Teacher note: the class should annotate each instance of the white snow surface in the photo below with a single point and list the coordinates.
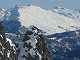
(46, 20)
(11, 44)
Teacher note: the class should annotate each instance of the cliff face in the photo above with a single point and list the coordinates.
(42, 48)
(41, 45)
(35, 45)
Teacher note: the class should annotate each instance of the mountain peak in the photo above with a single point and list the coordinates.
(46, 19)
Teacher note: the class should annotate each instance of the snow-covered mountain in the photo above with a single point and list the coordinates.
(74, 13)
(46, 20)
(39, 34)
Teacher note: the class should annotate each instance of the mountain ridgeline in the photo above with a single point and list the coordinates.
(33, 33)
(7, 49)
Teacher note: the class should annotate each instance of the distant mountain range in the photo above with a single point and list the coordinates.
(74, 13)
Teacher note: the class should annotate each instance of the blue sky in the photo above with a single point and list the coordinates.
(47, 4)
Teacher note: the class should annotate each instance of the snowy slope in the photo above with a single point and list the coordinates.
(2, 13)
(71, 13)
(46, 20)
